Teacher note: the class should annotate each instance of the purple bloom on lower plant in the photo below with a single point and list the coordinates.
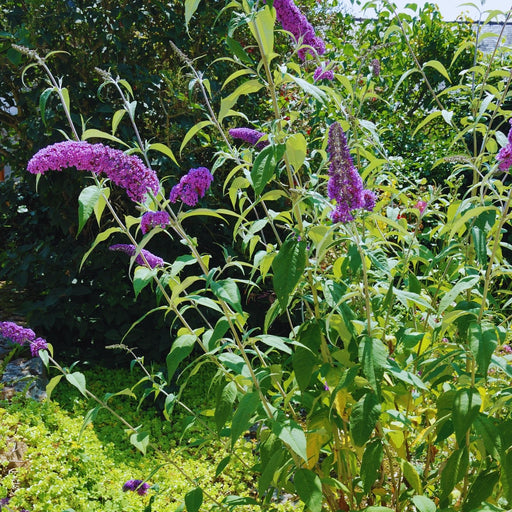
(249, 135)
(152, 220)
(143, 256)
(138, 486)
(22, 335)
(375, 67)
(126, 171)
(345, 185)
(192, 186)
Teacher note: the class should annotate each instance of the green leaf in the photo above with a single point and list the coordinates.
(195, 129)
(454, 470)
(466, 283)
(480, 244)
(227, 290)
(51, 385)
(406, 298)
(162, 148)
(190, 8)
(370, 465)
(264, 167)
(86, 202)
(101, 237)
(364, 417)
(424, 504)
(221, 466)
(277, 342)
(92, 133)
(77, 379)
(180, 349)
(506, 476)
(288, 267)
(481, 489)
(412, 476)
(140, 440)
(89, 418)
(194, 499)
(243, 414)
(296, 150)
(274, 464)
(305, 357)
(224, 407)
(262, 29)
(292, 435)
(373, 355)
(489, 433)
(438, 67)
(308, 88)
(142, 277)
(116, 119)
(42, 102)
(248, 87)
(99, 207)
(466, 406)
(483, 340)
(309, 488)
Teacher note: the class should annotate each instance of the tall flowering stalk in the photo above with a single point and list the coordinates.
(126, 171)
(250, 136)
(22, 336)
(345, 185)
(192, 186)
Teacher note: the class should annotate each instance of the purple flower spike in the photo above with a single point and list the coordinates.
(249, 135)
(323, 74)
(375, 67)
(345, 185)
(505, 154)
(153, 261)
(138, 486)
(292, 20)
(152, 220)
(126, 171)
(192, 186)
(22, 335)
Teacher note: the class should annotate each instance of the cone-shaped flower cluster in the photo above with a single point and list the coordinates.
(127, 171)
(192, 186)
(136, 486)
(249, 135)
(345, 185)
(323, 74)
(505, 154)
(153, 261)
(22, 335)
(293, 21)
(152, 220)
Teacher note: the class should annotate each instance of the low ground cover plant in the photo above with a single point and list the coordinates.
(373, 373)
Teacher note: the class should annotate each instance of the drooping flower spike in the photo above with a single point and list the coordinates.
(153, 260)
(126, 171)
(250, 136)
(22, 335)
(345, 185)
(505, 154)
(138, 486)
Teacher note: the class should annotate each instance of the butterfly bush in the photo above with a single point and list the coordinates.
(152, 220)
(249, 135)
(293, 21)
(345, 185)
(21, 336)
(323, 74)
(375, 67)
(152, 260)
(126, 171)
(138, 486)
(192, 186)
(505, 154)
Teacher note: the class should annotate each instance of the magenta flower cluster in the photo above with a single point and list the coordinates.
(22, 335)
(375, 67)
(505, 154)
(152, 260)
(345, 185)
(249, 135)
(192, 186)
(293, 21)
(152, 220)
(138, 486)
(126, 171)
(323, 74)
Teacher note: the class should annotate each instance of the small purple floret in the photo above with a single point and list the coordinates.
(152, 220)
(138, 486)
(192, 186)
(152, 260)
(126, 171)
